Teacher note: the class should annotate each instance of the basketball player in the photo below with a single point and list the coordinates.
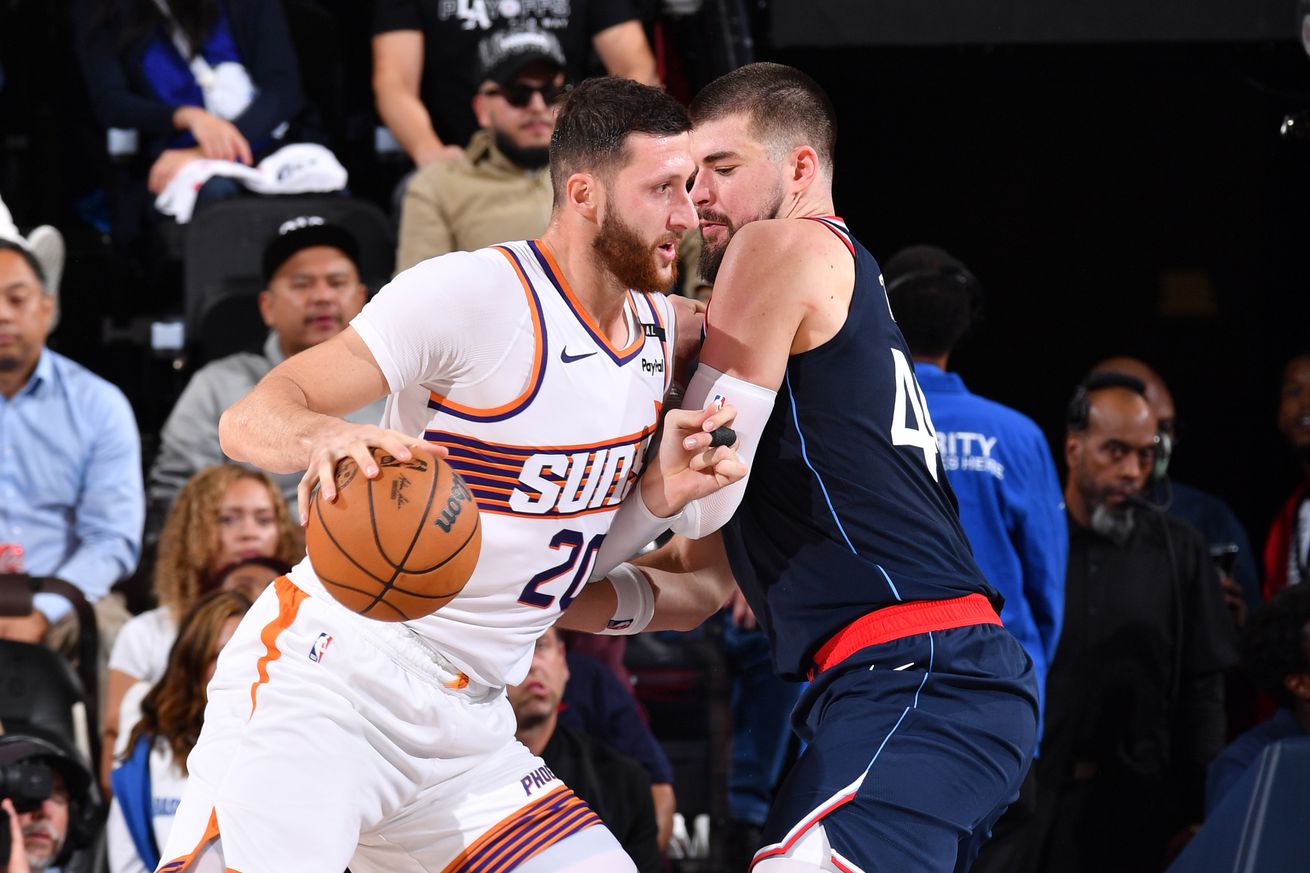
(539, 369)
(920, 717)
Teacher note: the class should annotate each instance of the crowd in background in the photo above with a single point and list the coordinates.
(1172, 645)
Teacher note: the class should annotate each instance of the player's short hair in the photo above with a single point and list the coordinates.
(591, 131)
(11, 246)
(1274, 642)
(786, 108)
(933, 296)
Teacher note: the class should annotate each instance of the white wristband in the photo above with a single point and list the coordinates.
(636, 601)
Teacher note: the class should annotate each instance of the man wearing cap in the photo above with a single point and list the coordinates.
(311, 291)
(499, 189)
(425, 58)
(71, 501)
(45, 830)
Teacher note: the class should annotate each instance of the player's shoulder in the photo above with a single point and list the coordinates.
(788, 257)
(464, 275)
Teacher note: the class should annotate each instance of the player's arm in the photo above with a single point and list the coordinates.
(772, 299)
(291, 420)
(687, 581)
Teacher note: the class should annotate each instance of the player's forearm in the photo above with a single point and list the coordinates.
(689, 580)
(272, 426)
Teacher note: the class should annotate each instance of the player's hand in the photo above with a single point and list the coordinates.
(686, 466)
(346, 440)
(218, 139)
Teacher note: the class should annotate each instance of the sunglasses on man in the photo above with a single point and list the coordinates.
(519, 94)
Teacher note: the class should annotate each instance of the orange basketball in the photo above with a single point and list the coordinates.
(399, 546)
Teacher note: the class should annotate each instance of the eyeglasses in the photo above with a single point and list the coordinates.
(519, 94)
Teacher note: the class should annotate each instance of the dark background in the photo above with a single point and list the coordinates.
(1117, 181)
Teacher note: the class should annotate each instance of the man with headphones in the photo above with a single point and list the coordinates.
(1000, 466)
(52, 807)
(1135, 695)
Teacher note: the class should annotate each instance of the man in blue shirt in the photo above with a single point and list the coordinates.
(1000, 467)
(70, 456)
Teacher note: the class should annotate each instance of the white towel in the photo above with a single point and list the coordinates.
(300, 168)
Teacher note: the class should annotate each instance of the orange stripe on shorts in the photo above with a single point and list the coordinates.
(289, 598)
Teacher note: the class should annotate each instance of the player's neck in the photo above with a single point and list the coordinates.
(594, 287)
(808, 204)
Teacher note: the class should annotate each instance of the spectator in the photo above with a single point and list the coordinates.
(250, 575)
(195, 78)
(312, 290)
(425, 59)
(73, 505)
(500, 188)
(1287, 547)
(225, 514)
(1134, 706)
(1205, 512)
(57, 812)
(1002, 473)
(1276, 654)
(616, 787)
(148, 783)
(596, 703)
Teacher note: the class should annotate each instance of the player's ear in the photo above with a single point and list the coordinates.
(582, 195)
(804, 166)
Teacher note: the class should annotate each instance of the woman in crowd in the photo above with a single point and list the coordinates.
(225, 514)
(149, 780)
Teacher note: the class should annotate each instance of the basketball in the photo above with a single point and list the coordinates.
(397, 547)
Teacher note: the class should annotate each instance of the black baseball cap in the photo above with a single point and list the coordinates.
(303, 232)
(504, 53)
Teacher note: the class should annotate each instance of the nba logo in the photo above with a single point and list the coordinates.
(319, 649)
(718, 401)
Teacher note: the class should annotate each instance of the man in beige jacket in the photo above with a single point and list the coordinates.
(499, 189)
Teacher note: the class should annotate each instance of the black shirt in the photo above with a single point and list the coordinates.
(1134, 697)
(615, 787)
(452, 30)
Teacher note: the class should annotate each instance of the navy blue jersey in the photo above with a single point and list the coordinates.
(848, 508)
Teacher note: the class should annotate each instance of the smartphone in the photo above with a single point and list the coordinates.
(1225, 556)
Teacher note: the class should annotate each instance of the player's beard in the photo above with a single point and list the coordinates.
(711, 256)
(629, 258)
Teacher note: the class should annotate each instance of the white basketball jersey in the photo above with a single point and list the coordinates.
(491, 355)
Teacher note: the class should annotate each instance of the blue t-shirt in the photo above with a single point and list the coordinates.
(597, 704)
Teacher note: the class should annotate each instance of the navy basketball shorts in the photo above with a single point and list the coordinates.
(915, 748)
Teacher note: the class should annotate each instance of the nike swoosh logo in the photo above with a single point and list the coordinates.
(568, 359)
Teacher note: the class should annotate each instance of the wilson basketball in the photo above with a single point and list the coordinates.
(399, 546)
